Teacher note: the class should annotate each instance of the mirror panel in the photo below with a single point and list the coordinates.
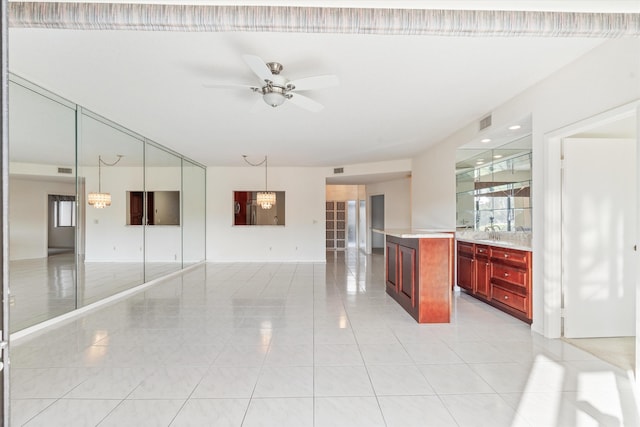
(247, 211)
(110, 253)
(193, 212)
(163, 239)
(493, 187)
(42, 261)
(66, 253)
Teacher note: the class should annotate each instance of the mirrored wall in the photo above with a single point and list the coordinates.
(493, 185)
(95, 209)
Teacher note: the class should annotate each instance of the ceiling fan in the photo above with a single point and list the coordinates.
(276, 89)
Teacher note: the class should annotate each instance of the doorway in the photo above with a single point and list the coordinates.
(377, 223)
(618, 123)
(61, 234)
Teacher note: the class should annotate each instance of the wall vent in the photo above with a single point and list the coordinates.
(65, 170)
(338, 170)
(485, 122)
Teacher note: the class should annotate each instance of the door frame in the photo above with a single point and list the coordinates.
(4, 217)
(552, 242)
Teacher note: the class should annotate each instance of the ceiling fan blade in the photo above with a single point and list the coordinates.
(258, 66)
(228, 85)
(306, 103)
(316, 82)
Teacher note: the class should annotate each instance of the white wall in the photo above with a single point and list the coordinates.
(108, 238)
(28, 211)
(342, 192)
(604, 78)
(302, 238)
(397, 201)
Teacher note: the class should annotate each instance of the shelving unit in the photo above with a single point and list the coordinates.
(336, 223)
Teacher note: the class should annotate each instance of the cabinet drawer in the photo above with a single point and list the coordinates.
(509, 256)
(509, 274)
(482, 250)
(509, 298)
(465, 248)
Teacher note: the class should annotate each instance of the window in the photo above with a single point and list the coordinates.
(64, 213)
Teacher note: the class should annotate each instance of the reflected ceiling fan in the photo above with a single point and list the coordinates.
(276, 89)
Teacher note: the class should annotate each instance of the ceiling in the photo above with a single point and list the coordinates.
(398, 94)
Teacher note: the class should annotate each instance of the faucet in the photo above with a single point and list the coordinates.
(493, 231)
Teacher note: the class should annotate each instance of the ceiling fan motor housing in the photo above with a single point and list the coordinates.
(275, 92)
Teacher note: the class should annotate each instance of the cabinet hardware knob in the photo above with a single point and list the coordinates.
(506, 274)
(506, 255)
(506, 297)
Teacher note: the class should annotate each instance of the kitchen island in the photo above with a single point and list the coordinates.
(419, 272)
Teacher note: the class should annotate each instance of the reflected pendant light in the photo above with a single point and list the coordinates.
(101, 200)
(265, 199)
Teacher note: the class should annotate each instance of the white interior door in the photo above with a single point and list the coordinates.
(598, 237)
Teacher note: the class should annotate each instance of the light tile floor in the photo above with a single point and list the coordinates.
(44, 288)
(305, 345)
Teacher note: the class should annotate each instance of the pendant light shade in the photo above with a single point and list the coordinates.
(266, 199)
(99, 200)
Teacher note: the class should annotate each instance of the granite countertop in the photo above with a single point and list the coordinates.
(417, 233)
(498, 243)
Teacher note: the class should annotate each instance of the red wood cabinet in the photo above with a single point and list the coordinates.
(482, 271)
(466, 273)
(499, 276)
(419, 275)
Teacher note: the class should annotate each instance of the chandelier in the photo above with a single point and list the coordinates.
(266, 199)
(101, 200)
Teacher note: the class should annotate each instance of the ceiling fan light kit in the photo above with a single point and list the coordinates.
(276, 89)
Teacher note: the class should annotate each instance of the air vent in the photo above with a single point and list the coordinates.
(486, 122)
(65, 170)
(338, 170)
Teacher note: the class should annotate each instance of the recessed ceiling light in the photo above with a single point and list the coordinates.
(514, 127)
(485, 140)
(479, 162)
(497, 156)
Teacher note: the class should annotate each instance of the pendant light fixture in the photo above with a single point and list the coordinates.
(101, 200)
(266, 199)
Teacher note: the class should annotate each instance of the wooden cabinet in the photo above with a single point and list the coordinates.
(499, 276)
(466, 273)
(392, 272)
(419, 274)
(408, 270)
(482, 271)
(511, 281)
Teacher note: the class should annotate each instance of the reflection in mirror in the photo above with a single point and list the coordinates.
(163, 245)
(193, 213)
(42, 185)
(66, 253)
(162, 207)
(247, 211)
(493, 185)
(109, 253)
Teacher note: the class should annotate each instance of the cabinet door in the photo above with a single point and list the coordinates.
(482, 277)
(408, 273)
(465, 272)
(392, 266)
